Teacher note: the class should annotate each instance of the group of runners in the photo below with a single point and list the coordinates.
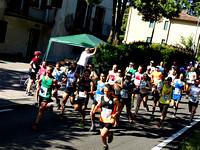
(114, 90)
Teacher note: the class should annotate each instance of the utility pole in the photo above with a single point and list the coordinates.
(194, 47)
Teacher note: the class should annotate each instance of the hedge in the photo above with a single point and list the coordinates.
(140, 53)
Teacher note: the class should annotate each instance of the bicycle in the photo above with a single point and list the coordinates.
(24, 81)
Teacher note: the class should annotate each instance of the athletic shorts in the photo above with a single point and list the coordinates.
(191, 104)
(142, 95)
(176, 97)
(163, 105)
(106, 125)
(70, 91)
(44, 99)
(156, 94)
(32, 75)
(82, 101)
(126, 101)
(95, 102)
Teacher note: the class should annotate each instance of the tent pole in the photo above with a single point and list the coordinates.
(48, 48)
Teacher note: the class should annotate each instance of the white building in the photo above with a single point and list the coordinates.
(27, 25)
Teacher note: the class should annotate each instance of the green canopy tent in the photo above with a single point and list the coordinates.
(80, 40)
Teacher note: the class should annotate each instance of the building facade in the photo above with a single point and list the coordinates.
(164, 32)
(27, 25)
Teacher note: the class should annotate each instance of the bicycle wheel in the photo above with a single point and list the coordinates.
(24, 81)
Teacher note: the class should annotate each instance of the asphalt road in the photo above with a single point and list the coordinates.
(16, 133)
(142, 134)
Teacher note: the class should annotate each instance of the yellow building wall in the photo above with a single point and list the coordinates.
(138, 30)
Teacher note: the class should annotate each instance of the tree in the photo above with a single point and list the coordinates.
(192, 7)
(93, 2)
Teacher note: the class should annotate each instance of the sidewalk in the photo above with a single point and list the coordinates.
(10, 91)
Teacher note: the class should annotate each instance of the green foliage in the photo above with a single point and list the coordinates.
(193, 143)
(186, 42)
(93, 2)
(154, 10)
(139, 52)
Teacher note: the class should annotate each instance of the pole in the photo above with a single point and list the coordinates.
(195, 47)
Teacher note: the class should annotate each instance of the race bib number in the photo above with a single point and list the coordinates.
(165, 98)
(193, 98)
(82, 94)
(111, 82)
(177, 91)
(143, 85)
(137, 82)
(43, 91)
(69, 82)
(124, 94)
(106, 113)
(155, 80)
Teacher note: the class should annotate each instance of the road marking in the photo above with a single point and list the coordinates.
(167, 141)
(4, 110)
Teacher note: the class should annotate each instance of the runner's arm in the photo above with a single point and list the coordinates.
(97, 106)
(116, 101)
(95, 51)
(91, 87)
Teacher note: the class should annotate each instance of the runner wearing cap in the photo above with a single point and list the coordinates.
(151, 66)
(34, 64)
(165, 98)
(126, 93)
(172, 73)
(192, 76)
(131, 69)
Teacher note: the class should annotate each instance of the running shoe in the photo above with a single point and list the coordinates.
(105, 147)
(159, 124)
(29, 94)
(152, 117)
(51, 109)
(58, 107)
(34, 126)
(173, 116)
(110, 138)
(35, 104)
(81, 124)
(133, 116)
(92, 128)
(60, 116)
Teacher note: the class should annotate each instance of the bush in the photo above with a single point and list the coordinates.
(140, 53)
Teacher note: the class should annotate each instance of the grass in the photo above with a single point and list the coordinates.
(192, 142)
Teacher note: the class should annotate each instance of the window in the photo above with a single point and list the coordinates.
(166, 25)
(148, 39)
(163, 41)
(151, 25)
(3, 27)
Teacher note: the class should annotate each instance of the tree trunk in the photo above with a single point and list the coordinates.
(120, 15)
(112, 31)
(153, 32)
